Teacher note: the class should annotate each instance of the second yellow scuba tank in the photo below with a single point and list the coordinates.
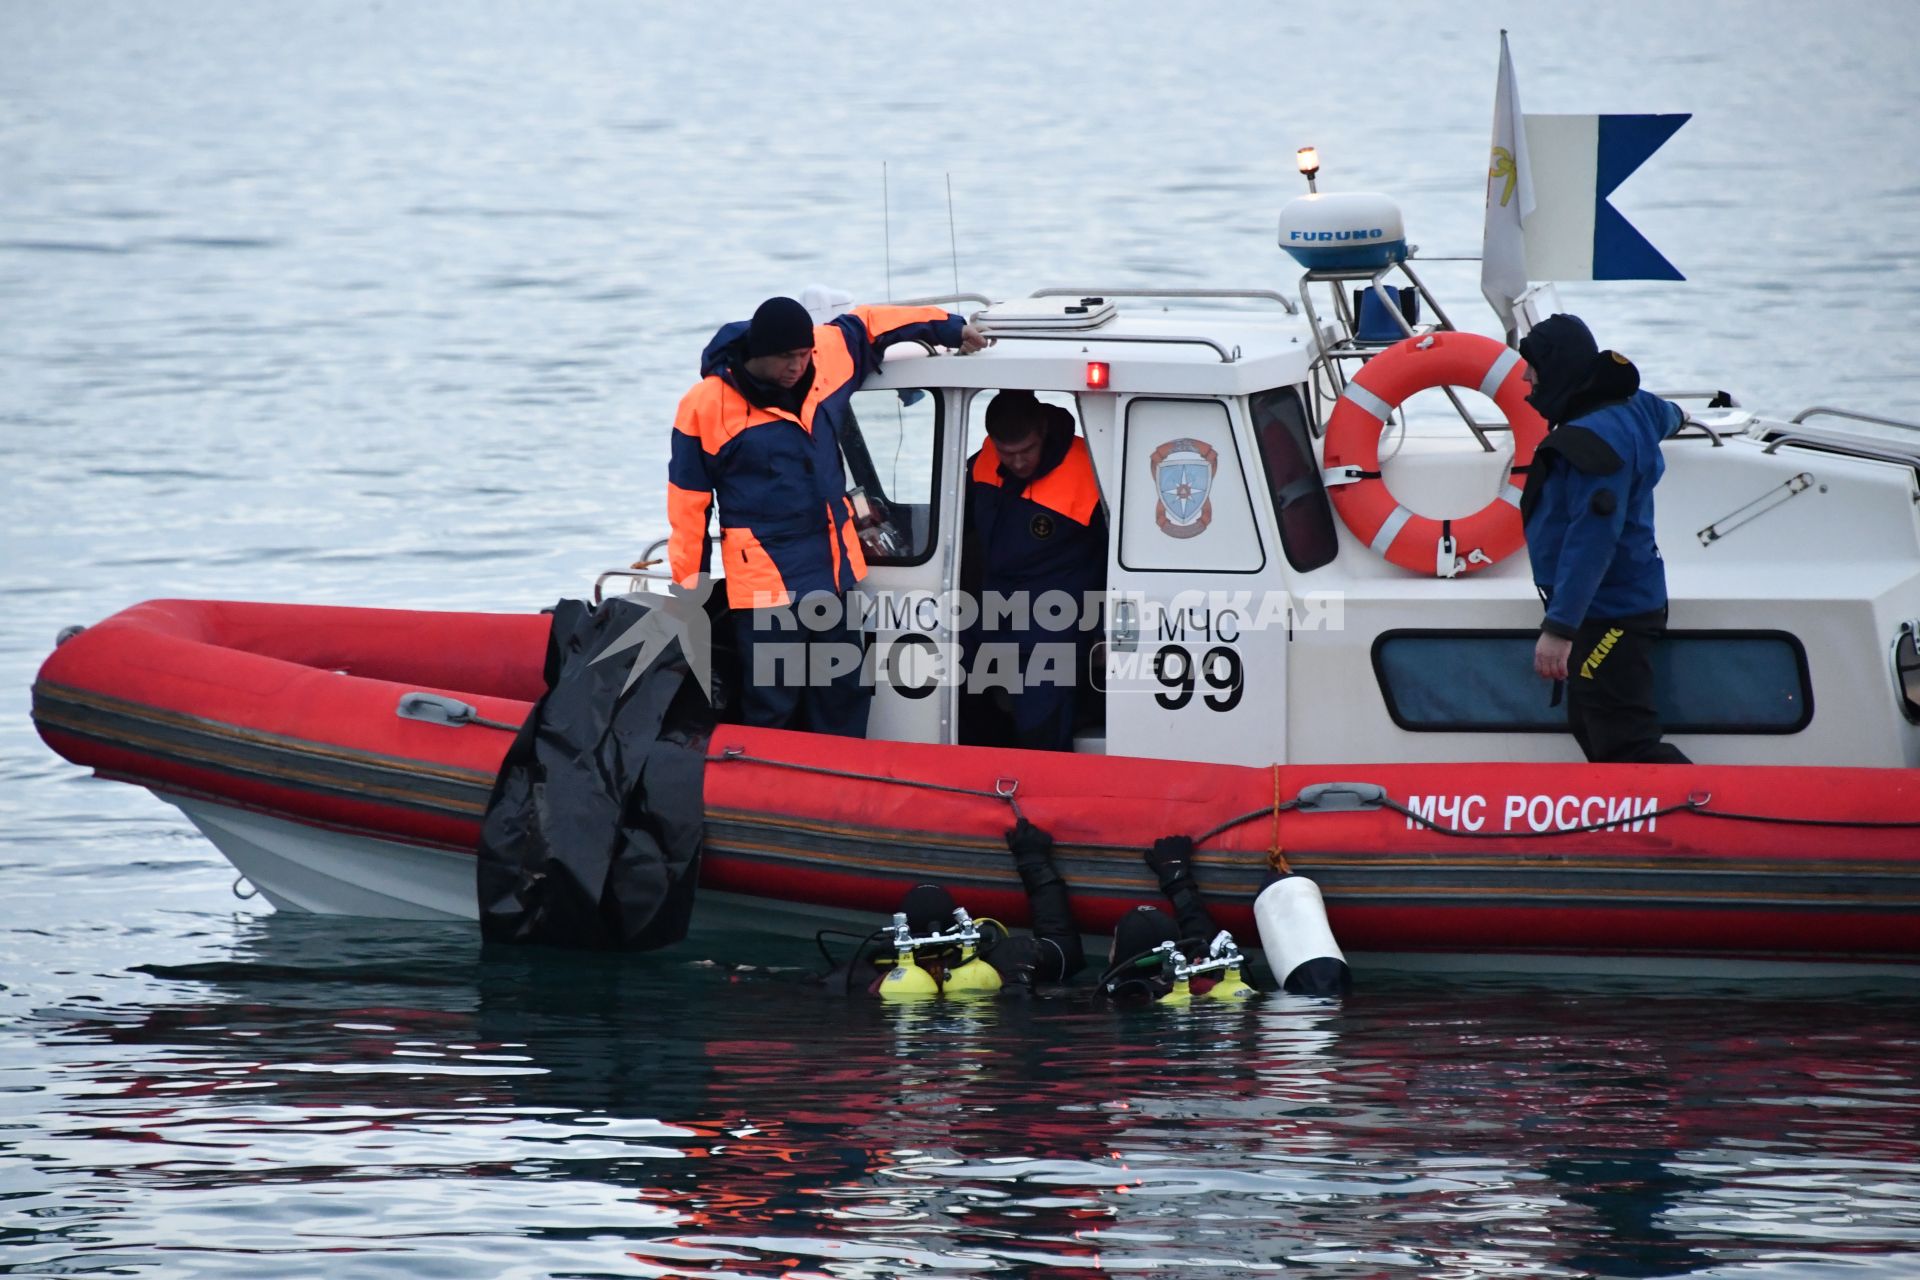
(1223, 958)
(972, 975)
(1226, 953)
(1231, 987)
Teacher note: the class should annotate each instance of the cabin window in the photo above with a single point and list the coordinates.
(1483, 682)
(1184, 502)
(892, 452)
(1906, 670)
(1300, 504)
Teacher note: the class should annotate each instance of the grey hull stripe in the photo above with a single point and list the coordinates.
(1498, 374)
(1366, 401)
(1511, 494)
(1390, 530)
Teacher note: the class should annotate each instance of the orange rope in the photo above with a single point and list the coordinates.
(1276, 859)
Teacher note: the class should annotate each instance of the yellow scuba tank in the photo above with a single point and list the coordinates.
(1225, 953)
(1231, 986)
(906, 980)
(972, 975)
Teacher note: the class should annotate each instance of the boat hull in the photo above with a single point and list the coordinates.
(274, 729)
(299, 868)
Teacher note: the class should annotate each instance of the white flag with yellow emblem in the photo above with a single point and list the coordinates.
(1503, 245)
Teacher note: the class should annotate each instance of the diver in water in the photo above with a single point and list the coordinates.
(1171, 958)
(934, 947)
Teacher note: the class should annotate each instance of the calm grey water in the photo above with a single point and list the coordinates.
(390, 304)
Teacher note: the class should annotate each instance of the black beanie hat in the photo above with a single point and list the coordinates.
(1014, 415)
(928, 908)
(1140, 931)
(780, 325)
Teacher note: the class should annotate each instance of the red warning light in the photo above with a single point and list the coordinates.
(1098, 375)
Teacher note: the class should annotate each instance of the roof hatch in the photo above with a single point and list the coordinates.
(1048, 313)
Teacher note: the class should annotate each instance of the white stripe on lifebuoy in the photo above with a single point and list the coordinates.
(1511, 495)
(1498, 374)
(1390, 530)
(1367, 402)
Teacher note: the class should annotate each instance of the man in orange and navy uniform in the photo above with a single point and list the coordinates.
(760, 434)
(1035, 526)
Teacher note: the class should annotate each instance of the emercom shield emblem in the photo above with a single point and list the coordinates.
(1183, 471)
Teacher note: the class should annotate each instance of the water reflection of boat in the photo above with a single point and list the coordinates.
(374, 1069)
(1257, 651)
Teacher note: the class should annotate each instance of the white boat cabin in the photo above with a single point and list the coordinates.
(1246, 623)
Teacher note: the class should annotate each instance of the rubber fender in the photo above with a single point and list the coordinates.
(1294, 933)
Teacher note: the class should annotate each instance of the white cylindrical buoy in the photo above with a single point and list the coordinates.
(1299, 944)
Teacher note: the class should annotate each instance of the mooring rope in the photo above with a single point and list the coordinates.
(1003, 788)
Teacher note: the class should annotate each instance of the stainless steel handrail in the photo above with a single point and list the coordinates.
(1091, 335)
(1705, 430)
(1845, 449)
(637, 575)
(1062, 291)
(1822, 411)
(937, 299)
(652, 555)
(1350, 349)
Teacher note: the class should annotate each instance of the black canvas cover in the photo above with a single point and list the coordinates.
(593, 832)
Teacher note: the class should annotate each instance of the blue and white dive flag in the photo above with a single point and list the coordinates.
(1547, 186)
(1578, 161)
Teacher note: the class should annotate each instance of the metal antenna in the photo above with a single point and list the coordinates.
(953, 244)
(886, 227)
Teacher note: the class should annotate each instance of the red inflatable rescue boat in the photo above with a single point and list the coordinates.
(278, 730)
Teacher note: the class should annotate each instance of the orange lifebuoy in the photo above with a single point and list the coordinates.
(1444, 548)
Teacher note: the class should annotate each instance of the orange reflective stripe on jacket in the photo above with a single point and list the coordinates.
(1069, 489)
(778, 477)
(753, 579)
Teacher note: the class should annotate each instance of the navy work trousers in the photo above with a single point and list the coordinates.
(797, 676)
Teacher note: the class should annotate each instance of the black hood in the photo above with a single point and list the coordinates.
(1611, 378)
(1571, 376)
(1139, 931)
(1560, 350)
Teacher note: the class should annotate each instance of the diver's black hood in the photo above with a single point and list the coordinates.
(1571, 376)
(1561, 350)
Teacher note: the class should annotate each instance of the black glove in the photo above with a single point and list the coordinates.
(1016, 961)
(1027, 841)
(1171, 858)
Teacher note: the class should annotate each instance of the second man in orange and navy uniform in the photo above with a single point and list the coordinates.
(1037, 537)
(760, 435)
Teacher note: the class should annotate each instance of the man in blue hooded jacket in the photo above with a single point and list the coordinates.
(1588, 511)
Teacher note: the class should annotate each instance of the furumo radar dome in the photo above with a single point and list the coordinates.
(1344, 230)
